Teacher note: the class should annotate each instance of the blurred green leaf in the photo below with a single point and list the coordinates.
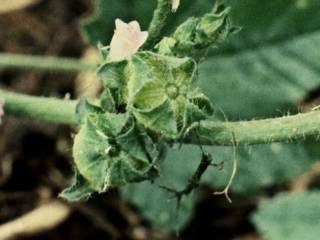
(290, 216)
(159, 205)
(263, 82)
(271, 64)
(258, 166)
(271, 22)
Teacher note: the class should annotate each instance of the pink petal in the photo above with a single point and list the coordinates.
(175, 5)
(127, 40)
(135, 25)
(120, 24)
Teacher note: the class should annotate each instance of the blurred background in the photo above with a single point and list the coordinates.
(271, 68)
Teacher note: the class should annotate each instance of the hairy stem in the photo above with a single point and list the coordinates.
(39, 108)
(158, 21)
(20, 61)
(205, 132)
(280, 129)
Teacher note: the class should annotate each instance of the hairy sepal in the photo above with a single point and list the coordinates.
(157, 90)
(196, 35)
(109, 152)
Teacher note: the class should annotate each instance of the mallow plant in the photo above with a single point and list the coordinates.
(150, 102)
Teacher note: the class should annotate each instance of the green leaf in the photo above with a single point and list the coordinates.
(159, 205)
(258, 166)
(264, 165)
(79, 190)
(271, 64)
(271, 22)
(292, 216)
(263, 82)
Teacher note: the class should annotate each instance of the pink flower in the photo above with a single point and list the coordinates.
(127, 40)
(1, 108)
(175, 5)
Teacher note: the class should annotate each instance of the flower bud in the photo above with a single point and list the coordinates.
(127, 40)
(175, 5)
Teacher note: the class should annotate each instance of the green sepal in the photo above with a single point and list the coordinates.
(160, 119)
(125, 169)
(79, 190)
(131, 144)
(112, 77)
(107, 102)
(159, 89)
(213, 27)
(107, 152)
(202, 103)
(84, 108)
(155, 147)
(89, 154)
(195, 36)
(166, 45)
(104, 51)
(110, 124)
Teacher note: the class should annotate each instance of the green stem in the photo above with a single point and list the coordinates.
(20, 61)
(283, 129)
(39, 108)
(287, 128)
(158, 21)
